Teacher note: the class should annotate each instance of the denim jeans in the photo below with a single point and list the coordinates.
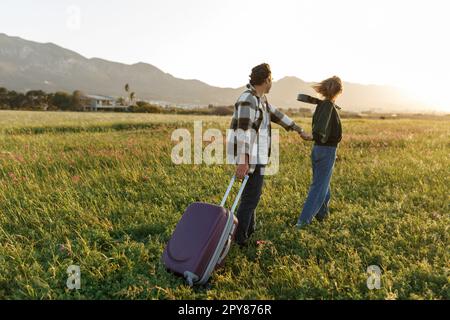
(323, 159)
(249, 202)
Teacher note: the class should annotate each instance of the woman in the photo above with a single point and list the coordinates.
(327, 133)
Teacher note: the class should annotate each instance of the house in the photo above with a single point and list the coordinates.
(98, 102)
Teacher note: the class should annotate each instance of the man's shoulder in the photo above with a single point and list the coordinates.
(247, 98)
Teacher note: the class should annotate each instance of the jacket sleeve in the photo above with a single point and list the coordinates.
(321, 131)
(283, 120)
(246, 113)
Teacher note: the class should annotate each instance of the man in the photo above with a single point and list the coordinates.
(251, 143)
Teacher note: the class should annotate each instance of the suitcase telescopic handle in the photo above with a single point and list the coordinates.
(238, 197)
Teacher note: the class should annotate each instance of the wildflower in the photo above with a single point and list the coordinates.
(13, 176)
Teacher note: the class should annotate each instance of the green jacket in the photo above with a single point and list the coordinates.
(326, 124)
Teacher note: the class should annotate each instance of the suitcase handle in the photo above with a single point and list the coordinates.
(238, 197)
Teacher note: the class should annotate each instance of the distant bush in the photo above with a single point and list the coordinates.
(62, 100)
(223, 111)
(144, 107)
(210, 110)
(349, 115)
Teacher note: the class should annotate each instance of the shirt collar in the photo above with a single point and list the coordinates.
(251, 88)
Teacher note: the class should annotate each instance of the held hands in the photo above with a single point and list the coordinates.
(306, 136)
(243, 167)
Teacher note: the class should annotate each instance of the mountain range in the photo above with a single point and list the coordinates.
(27, 65)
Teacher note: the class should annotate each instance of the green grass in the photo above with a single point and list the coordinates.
(100, 191)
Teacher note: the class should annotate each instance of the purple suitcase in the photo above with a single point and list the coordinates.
(202, 239)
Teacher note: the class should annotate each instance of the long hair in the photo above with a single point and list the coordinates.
(329, 88)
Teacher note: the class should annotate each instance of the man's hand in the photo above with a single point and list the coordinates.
(306, 136)
(242, 171)
(242, 168)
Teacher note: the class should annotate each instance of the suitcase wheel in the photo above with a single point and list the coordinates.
(190, 278)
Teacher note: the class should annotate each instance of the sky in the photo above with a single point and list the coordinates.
(403, 43)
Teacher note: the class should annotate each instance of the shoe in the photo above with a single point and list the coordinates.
(255, 243)
(322, 218)
(301, 225)
(242, 245)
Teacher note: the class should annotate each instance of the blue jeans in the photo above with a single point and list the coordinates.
(316, 205)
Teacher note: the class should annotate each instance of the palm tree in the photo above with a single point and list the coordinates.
(131, 95)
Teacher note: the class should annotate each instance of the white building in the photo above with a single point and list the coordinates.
(98, 102)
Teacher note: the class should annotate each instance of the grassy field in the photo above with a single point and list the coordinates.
(100, 191)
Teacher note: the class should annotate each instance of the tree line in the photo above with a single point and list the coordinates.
(38, 100)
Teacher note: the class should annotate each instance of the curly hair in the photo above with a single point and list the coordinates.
(260, 74)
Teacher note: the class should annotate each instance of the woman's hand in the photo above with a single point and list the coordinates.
(306, 136)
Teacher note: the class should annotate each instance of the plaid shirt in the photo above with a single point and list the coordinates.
(245, 125)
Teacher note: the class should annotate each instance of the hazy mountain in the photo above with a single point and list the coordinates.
(356, 97)
(26, 65)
